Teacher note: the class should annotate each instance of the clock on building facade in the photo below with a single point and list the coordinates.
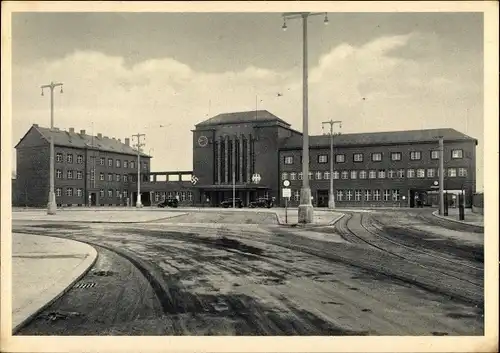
(202, 141)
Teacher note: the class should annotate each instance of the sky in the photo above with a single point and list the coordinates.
(162, 73)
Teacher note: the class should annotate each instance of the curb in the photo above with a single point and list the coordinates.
(39, 304)
(106, 222)
(331, 223)
(435, 214)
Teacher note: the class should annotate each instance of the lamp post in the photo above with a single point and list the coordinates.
(331, 198)
(305, 209)
(138, 203)
(51, 204)
(441, 176)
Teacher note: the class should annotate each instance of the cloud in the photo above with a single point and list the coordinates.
(371, 87)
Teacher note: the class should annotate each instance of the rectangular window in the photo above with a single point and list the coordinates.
(118, 163)
(125, 178)
(326, 175)
(434, 154)
(92, 174)
(335, 174)
(118, 177)
(284, 176)
(110, 162)
(354, 174)
(59, 157)
(69, 174)
(348, 195)
(431, 173)
(144, 165)
(125, 193)
(358, 157)
(288, 160)
(79, 159)
(372, 174)
(322, 158)
(340, 195)
(102, 160)
(58, 173)
(132, 165)
(79, 175)
(452, 172)
(310, 175)
(110, 193)
(401, 173)
(69, 158)
(189, 196)
(376, 195)
(340, 158)
(101, 193)
(357, 195)
(395, 156)
(344, 174)
(395, 195)
(170, 194)
(391, 174)
(415, 155)
(457, 154)
(368, 195)
(296, 195)
(301, 176)
(79, 192)
(362, 174)
(319, 175)
(58, 192)
(69, 191)
(410, 173)
(387, 195)
(125, 164)
(101, 176)
(381, 174)
(293, 176)
(376, 157)
(420, 173)
(117, 193)
(110, 177)
(462, 172)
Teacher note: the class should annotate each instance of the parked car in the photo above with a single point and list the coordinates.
(171, 202)
(229, 203)
(262, 202)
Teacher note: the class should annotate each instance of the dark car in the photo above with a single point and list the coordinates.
(169, 203)
(229, 203)
(262, 202)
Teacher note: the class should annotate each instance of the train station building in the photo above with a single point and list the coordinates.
(251, 153)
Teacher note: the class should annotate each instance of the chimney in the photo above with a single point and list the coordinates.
(99, 136)
(72, 130)
(82, 132)
(127, 141)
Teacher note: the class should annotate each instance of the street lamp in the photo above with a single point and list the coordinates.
(138, 202)
(331, 198)
(52, 205)
(305, 209)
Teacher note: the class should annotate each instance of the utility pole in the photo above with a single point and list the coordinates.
(138, 203)
(234, 190)
(51, 204)
(441, 176)
(331, 198)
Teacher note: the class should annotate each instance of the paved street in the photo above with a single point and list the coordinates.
(383, 272)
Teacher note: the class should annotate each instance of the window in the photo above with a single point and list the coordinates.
(431, 172)
(132, 165)
(368, 195)
(125, 193)
(381, 174)
(125, 164)
(340, 195)
(118, 177)
(144, 165)
(79, 159)
(79, 175)
(310, 175)
(296, 195)
(69, 158)
(69, 191)
(170, 194)
(326, 175)
(117, 193)
(340, 158)
(69, 174)
(288, 159)
(293, 176)
(362, 174)
(101, 176)
(391, 174)
(395, 156)
(58, 173)
(357, 195)
(58, 191)
(92, 174)
(395, 195)
(372, 174)
(335, 174)
(344, 174)
(410, 173)
(110, 177)
(102, 160)
(452, 172)
(415, 155)
(319, 175)
(125, 178)
(457, 154)
(189, 196)
(358, 157)
(284, 176)
(101, 193)
(110, 193)
(183, 196)
(322, 158)
(401, 173)
(59, 157)
(79, 192)
(420, 173)
(301, 176)
(435, 154)
(348, 195)
(376, 195)
(376, 157)
(118, 163)
(387, 195)
(354, 174)
(462, 172)
(110, 162)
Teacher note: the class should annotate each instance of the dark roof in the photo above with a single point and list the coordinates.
(379, 138)
(77, 140)
(254, 116)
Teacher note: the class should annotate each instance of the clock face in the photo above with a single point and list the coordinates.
(202, 141)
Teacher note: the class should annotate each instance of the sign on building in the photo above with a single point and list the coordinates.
(194, 179)
(286, 192)
(256, 178)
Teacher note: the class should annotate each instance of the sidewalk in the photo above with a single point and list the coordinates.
(474, 219)
(43, 268)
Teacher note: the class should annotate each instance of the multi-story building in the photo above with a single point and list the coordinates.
(89, 170)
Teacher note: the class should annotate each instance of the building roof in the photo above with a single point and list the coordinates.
(78, 140)
(254, 116)
(379, 138)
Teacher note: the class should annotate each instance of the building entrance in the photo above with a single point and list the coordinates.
(93, 199)
(322, 198)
